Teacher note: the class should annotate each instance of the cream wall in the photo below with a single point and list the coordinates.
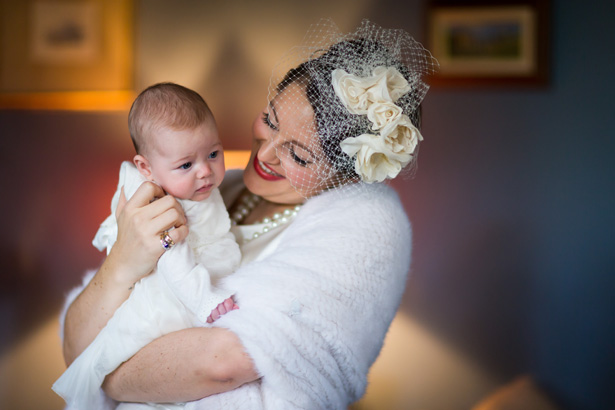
(227, 49)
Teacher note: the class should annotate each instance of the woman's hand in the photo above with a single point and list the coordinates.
(141, 221)
(133, 256)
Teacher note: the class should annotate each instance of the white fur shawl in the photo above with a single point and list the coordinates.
(314, 314)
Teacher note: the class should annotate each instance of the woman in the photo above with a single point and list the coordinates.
(325, 246)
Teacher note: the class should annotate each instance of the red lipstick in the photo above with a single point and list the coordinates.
(264, 172)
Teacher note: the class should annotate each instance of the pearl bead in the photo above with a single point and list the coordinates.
(247, 205)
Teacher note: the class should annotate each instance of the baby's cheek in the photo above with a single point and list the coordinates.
(181, 189)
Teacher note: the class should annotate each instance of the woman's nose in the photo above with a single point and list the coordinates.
(267, 152)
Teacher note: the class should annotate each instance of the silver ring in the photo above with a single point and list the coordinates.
(166, 240)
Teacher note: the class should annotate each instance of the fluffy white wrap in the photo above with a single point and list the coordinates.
(314, 313)
(181, 293)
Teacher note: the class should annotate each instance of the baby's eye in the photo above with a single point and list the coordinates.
(213, 155)
(187, 165)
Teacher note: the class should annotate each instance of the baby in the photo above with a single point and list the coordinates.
(177, 144)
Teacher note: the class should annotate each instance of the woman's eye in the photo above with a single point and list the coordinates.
(297, 159)
(187, 165)
(268, 122)
(213, 155)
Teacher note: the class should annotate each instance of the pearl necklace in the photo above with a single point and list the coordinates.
(248, 203)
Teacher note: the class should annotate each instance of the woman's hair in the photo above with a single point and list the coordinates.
(165, 105)
(334, 122)
(365, 89)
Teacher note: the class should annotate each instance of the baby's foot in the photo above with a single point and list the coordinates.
(222, 309)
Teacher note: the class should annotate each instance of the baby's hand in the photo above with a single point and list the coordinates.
(221, 309)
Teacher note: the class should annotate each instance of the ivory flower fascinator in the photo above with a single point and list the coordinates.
(346, 107)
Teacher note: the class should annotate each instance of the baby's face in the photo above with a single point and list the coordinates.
(188, 164)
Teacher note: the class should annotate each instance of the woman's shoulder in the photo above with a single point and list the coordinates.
(370, 207)
(366, 198)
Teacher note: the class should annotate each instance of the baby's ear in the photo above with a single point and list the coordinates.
(143, 166)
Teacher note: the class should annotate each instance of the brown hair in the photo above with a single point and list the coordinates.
(165, 105)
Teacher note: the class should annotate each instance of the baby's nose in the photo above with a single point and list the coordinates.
(203, 171)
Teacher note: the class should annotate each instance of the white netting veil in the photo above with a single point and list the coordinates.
(345, 108)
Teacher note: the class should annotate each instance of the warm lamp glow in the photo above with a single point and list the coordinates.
(415, 367)
(73, 101)
(236, 159)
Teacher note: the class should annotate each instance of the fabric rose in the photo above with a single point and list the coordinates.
(389, 85)
(382, 114)
(351, 90)
(382, 156)
(358, 93)
(401, 136)
(374, 161)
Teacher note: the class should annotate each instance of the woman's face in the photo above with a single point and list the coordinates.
(286, 155)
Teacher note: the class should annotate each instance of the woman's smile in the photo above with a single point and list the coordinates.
(265, 172)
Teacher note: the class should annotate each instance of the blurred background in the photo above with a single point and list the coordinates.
(512, 204)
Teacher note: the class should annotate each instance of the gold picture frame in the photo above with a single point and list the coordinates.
(482, 43)
(59, 54)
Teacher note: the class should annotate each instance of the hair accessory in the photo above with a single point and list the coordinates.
(380, 156)
(345, 108)
(166, 240)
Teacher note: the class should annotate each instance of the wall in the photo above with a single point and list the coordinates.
(512, 210)
(511, 206)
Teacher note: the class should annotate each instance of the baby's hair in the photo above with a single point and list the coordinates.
(165, 105)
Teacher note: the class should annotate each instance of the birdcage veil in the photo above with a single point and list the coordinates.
(345, 108)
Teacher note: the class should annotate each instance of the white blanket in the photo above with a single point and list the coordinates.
(180, 294)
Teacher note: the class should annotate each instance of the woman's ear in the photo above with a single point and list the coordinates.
(143, 166)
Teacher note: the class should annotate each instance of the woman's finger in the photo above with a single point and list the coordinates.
(178, 234)
(168, 213)
(145, 194)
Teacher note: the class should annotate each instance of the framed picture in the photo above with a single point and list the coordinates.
(496, 43)
(59, 54)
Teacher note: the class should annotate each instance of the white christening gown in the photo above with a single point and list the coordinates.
(181, 293)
